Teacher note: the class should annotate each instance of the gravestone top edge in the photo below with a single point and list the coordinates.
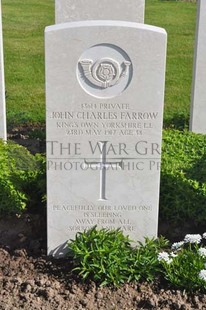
(3, 121)
(108, 23)
(198, 93)
(77, 10)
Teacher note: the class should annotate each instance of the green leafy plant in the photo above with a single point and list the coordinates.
(101, 255)
(144, 261)
(21, 176)
(107, 257)
(183, 183)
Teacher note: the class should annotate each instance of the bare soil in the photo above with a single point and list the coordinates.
(32, 281)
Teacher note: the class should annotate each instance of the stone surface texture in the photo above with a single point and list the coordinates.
(77, 10)
(105, 94)
(198, 106)
(3, 134)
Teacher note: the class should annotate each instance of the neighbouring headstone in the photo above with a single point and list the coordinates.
(105, 94)
(3, 134)
(78, 10)
(198, 106)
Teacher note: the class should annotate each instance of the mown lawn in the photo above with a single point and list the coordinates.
(23, 25)
(179, 20)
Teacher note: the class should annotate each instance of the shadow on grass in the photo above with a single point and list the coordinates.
(198, 171)
(179, 121)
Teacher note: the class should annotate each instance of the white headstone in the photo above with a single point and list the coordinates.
(77, 10)
(3, 134)
(105, 94)
(198, 106)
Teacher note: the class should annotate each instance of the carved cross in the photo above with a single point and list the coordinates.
(103, 165)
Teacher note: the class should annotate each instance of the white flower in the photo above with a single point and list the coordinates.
(193, 238)
(172, 254)
(177, 245)
(164, 256)
(202, 252)
(204, 236)
(202, 275)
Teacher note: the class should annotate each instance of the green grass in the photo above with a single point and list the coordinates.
(23, 25)
(183, 183)
(179, 19)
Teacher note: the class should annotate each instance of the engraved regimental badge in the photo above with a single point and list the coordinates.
(104, 71)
